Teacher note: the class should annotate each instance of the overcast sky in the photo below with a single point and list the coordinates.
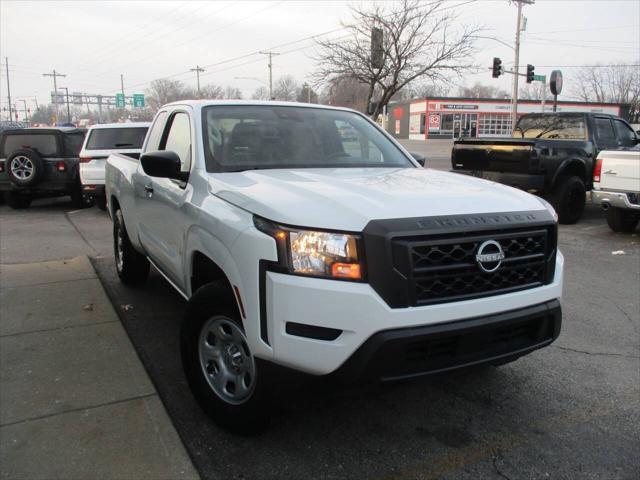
(94, 42)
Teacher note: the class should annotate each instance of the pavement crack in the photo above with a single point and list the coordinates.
(604, 354)
(75, 227)
(494, 461)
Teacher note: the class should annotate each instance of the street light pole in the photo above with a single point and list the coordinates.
(26, 115)
(55, 75)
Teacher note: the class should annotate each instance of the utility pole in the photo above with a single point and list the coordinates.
(55, 76)
(123, 97)
(270, 54)
(6, 64)
(67, 97)
(516, 62)
(198, 69)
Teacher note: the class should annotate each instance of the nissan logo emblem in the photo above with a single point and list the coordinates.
(489, 256)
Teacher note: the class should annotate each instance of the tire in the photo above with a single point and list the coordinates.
(568, 198)
(78, 198)
(132, 267)
(211, 338)
(17, 201)
(25, 168)
(101, 202)
(620, 220)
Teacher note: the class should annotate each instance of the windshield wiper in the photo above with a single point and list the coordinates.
(124, 144)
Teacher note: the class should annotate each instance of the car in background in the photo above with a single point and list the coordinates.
(9, 125)
(100, 142)
(40, 162)
(616, 187)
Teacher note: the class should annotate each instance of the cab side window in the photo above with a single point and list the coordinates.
(155, 133)
(178, 139)
(604, 131)
(626, 136)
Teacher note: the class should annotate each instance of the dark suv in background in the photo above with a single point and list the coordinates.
(40, 162)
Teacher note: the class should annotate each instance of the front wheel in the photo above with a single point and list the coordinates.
(132, 267)
(568, 198)
(223, 374)
(620, 220)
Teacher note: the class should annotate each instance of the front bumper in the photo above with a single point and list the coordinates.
(345, 316)
(523, 181)
(614, 199)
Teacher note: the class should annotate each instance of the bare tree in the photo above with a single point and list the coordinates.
(421, 41)
(482, 91)
(260, 93)
(346, 92)
(618, 83)
(533, 91)
(163, 91)
(286, 88)
(306, 94)
(211, 91)
(232, 93)
(427, 90)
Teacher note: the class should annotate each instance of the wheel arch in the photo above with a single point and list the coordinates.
(568, 168)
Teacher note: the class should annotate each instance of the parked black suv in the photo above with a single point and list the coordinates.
(40, 162)
(550, 154)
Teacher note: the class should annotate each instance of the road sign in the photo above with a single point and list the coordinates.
(540, 78)
(138, 100)
(119, 100)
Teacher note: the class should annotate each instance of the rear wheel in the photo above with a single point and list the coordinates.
(568, 198)
(17, 200)
(78, 198)
(620, 220)
(224, 376)
(132, 267)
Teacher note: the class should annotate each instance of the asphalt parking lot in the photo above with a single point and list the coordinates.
(568, 411)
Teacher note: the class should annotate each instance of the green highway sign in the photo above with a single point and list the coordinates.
(540, 78)
(119, 100)
(138, 100)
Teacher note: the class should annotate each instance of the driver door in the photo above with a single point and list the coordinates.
(163, 201)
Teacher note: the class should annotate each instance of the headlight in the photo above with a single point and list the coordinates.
(315, 253)
(550, 208)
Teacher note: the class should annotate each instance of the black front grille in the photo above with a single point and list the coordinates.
(444, 268)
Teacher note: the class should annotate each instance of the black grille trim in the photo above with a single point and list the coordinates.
(443, 268)
(396, 268)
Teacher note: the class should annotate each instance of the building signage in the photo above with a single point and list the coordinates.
(458, 106)
(414, 124)
(397, 127)
(434, 123)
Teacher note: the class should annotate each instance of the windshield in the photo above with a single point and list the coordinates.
(116, 138)
(245, 137)
(567, 127)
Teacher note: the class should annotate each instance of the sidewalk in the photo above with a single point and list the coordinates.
(75, 401)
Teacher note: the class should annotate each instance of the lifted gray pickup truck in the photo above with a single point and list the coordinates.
(550, 154)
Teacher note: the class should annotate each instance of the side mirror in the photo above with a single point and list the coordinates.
(418, 158)
(163, 164)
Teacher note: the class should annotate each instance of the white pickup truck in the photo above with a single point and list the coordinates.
(298, 244)
(616, 186)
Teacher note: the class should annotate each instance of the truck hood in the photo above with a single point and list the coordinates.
(348, 198)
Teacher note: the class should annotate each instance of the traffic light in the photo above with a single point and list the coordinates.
(530, 73)
(497, 67)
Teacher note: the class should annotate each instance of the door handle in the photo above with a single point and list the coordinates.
(149, 190)
(611, 172)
